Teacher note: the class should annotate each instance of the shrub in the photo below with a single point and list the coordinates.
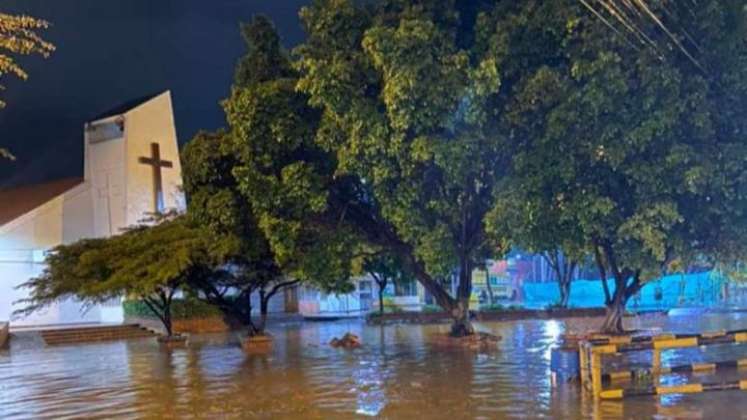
(180, 309)
(391, 307)
(432, 309)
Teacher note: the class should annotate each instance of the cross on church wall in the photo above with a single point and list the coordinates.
(156, 163)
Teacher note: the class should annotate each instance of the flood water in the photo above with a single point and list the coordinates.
(399, 373)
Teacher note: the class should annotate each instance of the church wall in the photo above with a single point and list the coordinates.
(38, 229)
(149, 123)
(106, 174)
(13, 273)
(77, 213)
(23, 244)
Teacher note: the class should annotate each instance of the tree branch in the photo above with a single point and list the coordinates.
(634, 285)
(279, 286)
(602, 274)
(152, 307)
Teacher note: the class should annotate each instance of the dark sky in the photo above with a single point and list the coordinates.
(111, 51)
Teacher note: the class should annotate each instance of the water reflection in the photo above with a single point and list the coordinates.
(398, 373)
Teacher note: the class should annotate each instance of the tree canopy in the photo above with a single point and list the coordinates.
(443, 131)
(147, 262)
(230, 177)
(218, 207)
(638, 156)
(385, 269)
(383, 140)
(19, 37)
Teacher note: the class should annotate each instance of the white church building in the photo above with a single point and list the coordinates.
(131, 169)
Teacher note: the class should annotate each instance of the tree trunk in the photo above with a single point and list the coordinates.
(381, 283)
(264, 304)
(161, 311)
(491, 299)
(237, 312)
(607, 262)
(563, 269)
(457, 308)
(167, 319)
(613, 321)
(569, 267)
(381, 299)
(240, 310)
(462, 326)
(565, 293)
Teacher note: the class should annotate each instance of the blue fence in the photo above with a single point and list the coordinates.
(699, 289)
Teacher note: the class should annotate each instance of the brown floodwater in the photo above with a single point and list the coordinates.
(398, 374)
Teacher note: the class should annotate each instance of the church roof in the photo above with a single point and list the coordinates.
(18, 201)
(125, 106)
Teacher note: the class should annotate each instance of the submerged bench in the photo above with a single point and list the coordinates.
(591, 353)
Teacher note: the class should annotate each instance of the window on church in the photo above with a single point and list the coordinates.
(98, 133)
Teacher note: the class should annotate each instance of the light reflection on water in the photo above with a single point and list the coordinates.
(397, 374)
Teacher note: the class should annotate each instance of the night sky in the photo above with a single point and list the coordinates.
(111, 51)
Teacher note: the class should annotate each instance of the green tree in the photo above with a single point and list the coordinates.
(384, 140)
(385, 269)
(216, 204)
(638, 149)
(271, 136)
(19, 37)
(214, 164)
(149, 263)
(532, 219)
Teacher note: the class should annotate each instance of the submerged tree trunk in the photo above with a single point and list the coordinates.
(613, 321)
(491, 299)
(264, 304)
(381, 300)
(236, 311)
(167, 321)
(381, 283)
(160, 306)
(627, 284)
(462, 325)
(563, 269)
(565, 281)
(565, 294)
(457, 308)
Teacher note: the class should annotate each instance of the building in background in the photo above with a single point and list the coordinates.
(317, 304)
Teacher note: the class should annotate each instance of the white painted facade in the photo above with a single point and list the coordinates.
(314, 303)
(117, 190)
